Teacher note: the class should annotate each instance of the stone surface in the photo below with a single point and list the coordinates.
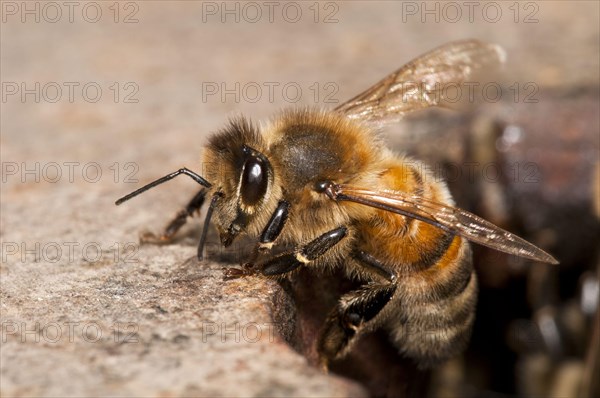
(86, 310)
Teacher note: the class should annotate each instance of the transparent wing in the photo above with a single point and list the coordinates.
(420, 83)
(451, 219)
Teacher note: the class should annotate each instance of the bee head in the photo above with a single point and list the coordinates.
(243, 177)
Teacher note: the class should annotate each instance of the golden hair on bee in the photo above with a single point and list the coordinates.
(323, 188)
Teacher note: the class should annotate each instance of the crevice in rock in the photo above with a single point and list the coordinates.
(299, 310)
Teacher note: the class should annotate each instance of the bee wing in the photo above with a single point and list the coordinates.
(448, 218)
(420, 83)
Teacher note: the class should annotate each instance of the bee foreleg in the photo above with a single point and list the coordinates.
(272, 230)
(275, 224)
(349, 317)
(176, 223)
(289, 261)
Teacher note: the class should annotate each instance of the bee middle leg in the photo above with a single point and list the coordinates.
(355, 309)
(290, 260)
(177, 222)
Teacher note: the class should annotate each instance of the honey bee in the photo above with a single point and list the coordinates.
(321, 185)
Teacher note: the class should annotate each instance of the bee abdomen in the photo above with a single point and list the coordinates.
(434, 324)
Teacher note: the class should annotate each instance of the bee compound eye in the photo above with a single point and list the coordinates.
(254, 180)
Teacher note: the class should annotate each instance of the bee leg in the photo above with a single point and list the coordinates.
(272, 230)
(265, 243)
(373, 266)
(176, 223)
(356, 308)
(348, 319)
(289, 261)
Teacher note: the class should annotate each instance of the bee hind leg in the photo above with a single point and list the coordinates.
(176, 223)
(373, 266)
(355, 310)
(349, 318)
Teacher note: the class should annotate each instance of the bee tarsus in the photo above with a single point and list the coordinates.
(350, 317)
(177, 222)
(246, 269)
(289, 261)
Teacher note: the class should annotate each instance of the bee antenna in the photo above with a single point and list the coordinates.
(216, 196)
(196, 177)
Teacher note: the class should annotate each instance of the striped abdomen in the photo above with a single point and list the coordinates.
(431, 314)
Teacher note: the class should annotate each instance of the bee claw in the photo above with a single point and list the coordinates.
(150, 238)
(232, 273)
(246, 269)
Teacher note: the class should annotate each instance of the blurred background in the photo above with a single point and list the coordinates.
(100, 97)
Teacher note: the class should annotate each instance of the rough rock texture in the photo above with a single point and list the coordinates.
(153, 322)
(86, 310)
